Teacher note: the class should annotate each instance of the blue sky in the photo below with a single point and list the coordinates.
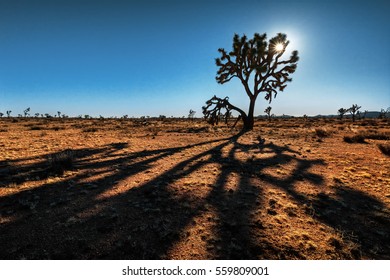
(154, 58)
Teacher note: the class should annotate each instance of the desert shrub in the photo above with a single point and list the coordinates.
(376, 136)
(90, 129)
(369, 123)
(385, 149)
(77, 125)
(56, 128)
(60, 162)
(35, 127)
(354, 139)
(320, 132)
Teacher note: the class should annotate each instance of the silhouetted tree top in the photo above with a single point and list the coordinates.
(259, 65)
(259, 60)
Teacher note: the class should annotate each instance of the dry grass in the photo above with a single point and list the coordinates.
(173, 189)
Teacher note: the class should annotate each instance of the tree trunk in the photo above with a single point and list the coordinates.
(249, 120)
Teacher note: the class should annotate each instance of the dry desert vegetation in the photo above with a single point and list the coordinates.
(178, 189)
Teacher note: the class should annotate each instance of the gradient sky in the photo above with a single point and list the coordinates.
(154, 58)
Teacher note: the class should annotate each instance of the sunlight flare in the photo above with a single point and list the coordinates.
(279, 47)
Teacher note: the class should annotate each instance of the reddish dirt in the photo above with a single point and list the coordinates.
(126, 189)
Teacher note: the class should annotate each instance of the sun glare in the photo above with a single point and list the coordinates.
(279, 47)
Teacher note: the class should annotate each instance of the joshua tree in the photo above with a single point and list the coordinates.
(191, 114)
(26, 112)
(9, 113)
(36, 115)
(59, 114)
(259, 65)
(268, 112)
(342, 112)
(353, 110)
(1, 115)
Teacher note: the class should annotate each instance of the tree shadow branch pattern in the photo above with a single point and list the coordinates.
(147, 220)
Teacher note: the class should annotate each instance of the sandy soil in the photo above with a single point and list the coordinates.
(175, 189)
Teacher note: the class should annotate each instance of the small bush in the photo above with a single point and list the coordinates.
(35, 127)
(354, 139)
(60, 162)
(320, 132)
(385, 149)
(90, 129)
(376, 136)
(369, 123)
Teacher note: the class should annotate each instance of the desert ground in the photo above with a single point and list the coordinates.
(180, 189)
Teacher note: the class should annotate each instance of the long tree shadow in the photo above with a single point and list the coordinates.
(86, 216)
(358, 216)
(361, 218)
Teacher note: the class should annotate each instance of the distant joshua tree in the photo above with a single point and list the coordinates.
(259, 66)
(353, 110)
(191, 114)
(26, 112)
(36, 115)
(268, 112)
(382, 114)
(1, 115)
(9, 113)
(342, 112)
(59, 114)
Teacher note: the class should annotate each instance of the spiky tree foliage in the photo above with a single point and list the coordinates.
(26, 112)
(191, 114)
(353, 110)
(268, 112)
(342, 112)
(9, 113)
(259, 65)
(217, 108)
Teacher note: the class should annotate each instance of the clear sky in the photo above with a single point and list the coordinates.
(154, 58)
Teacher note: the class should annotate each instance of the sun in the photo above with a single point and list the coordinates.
(279, 47)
